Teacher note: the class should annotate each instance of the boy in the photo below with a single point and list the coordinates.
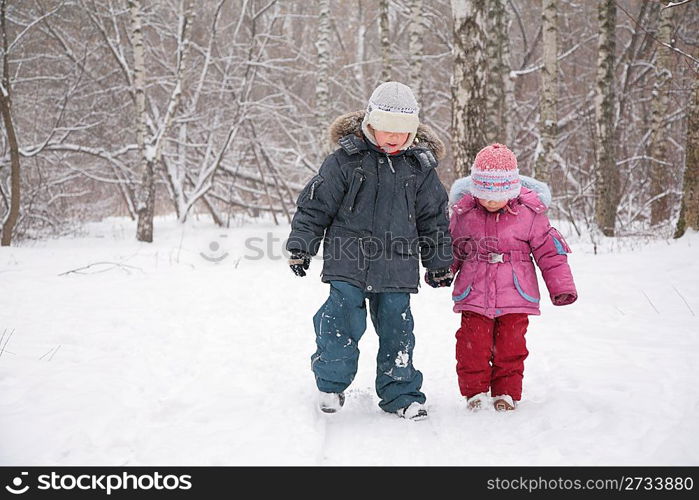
(377, 204)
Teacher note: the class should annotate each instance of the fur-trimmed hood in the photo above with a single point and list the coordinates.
(462, 187)
(351, 123)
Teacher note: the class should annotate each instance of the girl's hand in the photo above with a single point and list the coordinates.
(564, 299)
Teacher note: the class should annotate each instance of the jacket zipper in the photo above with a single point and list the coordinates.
(390, 163)
(356, 193)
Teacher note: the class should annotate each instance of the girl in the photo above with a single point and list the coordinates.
(496, 225)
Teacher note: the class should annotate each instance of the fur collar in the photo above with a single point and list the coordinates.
(527, 197)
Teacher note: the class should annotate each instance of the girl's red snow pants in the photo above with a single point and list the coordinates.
(490, 354)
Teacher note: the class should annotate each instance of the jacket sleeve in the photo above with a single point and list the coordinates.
(550, 252)
(432, 222)
(317, 205)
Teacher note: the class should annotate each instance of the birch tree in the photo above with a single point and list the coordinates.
(468, 83)
(661, 169)
(359, 72)
(498, 72)
(324, 54)
(146, 194)
(416, 46)
(548, 119)
(385, 41)
(607, 175)
(151, 149)
(508, 107)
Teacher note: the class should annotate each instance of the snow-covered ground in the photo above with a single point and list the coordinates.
(157, 354)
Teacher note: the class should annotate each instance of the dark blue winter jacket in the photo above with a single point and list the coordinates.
(376, 214)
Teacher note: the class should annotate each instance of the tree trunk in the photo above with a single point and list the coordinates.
(509, 106)
(385, 39)
(606, 172)
(548, 118)
(661, 172)
(6, 111)
(323, 77)
(359, 52)
(146, 196)
(176, 177)
(498, 72)
(416, 46)
(689, 211)
(152, 152)
(468, 83)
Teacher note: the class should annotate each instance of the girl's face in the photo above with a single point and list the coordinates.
(390, 142)
(492, 206)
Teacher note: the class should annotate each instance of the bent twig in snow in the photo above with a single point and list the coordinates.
(2, 348)
(113, 265)
(51, 351)
(684, 300)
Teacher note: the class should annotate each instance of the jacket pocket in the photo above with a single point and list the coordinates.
(559, 242)
(409, 189)
(358, 179)
(462, 295)
(309, 191)
(402, 263)
(463, 281)
(342, 254)
(521, 291)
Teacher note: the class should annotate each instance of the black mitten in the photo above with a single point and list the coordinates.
(439, 277)
(299, 262)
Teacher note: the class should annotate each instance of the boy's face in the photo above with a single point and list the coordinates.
(390, 142)
(492, 206)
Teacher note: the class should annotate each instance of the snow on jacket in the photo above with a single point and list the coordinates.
(378, 215)
(495, 274)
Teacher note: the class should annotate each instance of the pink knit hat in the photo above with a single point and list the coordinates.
(494, 174)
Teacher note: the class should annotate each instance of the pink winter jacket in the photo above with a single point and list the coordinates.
(496, 274)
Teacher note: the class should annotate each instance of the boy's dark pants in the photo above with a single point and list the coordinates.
(490, 354)
(341, 322)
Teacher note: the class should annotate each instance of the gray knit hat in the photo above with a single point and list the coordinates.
(392, 107)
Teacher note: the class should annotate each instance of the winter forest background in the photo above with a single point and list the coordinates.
(134, 108)
(151, 153)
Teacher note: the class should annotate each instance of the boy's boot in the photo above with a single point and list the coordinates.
(331, 402)
(414, 411)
